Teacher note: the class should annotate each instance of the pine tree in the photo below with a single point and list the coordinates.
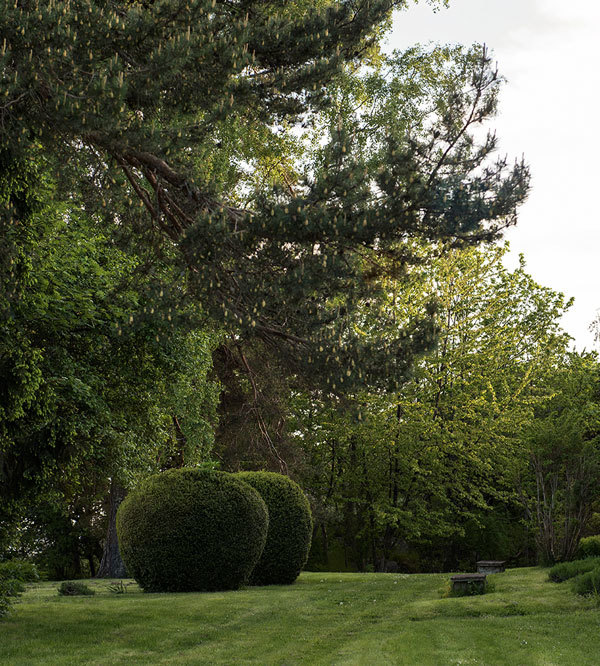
(132, 95)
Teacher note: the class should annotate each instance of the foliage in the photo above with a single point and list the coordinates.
(9, 589)
(566, 570)
(589, 547)
(290, 528)
(62, 536)
(588, 583)
(74, 588)
(192, 529)
(143, 105)
(13, 576)
(99, 351)
(563, 444)
(427, 461)
(26, 572)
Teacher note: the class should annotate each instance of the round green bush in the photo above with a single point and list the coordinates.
(192, 530)
(589, 547)
(290, 528)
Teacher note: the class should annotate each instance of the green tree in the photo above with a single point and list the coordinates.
(423, 102)
(132, 96)
(563, 442)
(105, 371)
(422, 463)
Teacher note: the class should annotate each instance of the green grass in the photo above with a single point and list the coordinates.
(373, 619)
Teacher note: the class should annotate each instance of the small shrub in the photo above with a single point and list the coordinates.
(13, 576)
(26, 572)
(290, 528)
(588, 583)
(118, 587)
(566, 570)
(589, 547)
(74, 588)
(190, 530)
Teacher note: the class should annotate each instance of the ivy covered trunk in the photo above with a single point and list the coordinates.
(111, 565)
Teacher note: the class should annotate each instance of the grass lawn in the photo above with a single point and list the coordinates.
(321, 619)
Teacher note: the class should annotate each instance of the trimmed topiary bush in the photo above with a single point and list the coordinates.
(566, 570)
(290, 528)
(589, 547)
(192, 530)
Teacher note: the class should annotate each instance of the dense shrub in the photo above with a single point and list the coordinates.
(566, 570)
(74, 588)
(191, 529)
(13, 575)
(588, 583)
(589, 547)
(9, 589)
(19, 569)
(290, 528)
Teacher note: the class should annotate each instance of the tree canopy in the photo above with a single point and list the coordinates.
(131, 96)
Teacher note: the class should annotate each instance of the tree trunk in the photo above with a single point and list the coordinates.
(111, 565)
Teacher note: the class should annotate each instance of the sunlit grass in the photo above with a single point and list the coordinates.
(322, 619)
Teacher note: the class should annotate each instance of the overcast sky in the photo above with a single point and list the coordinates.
(548, 50)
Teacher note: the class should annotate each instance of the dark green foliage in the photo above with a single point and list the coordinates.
(191, 530)
(95, 358)
(74, 588)
(13, 575)
(136, 99)
(589, 547)
(588, 583)
(566, 570)
(290, 528)
(26, 572)
(9, 589)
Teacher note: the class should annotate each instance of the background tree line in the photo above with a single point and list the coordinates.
(237, 234)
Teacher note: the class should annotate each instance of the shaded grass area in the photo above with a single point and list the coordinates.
(322, 619)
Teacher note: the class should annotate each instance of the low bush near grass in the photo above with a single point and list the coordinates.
(13, 575)
(19, 570)
(567, 570)
(74, 589)
(589, 547)
(10, 588)
(588, 583)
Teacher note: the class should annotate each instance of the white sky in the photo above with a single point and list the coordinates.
(550, 53)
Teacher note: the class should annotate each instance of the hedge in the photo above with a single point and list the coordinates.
(290, 528)
(589, 547)
(192, 530)
(566, 570)
(588, 583)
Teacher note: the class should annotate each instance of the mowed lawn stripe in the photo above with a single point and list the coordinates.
(325, 618)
